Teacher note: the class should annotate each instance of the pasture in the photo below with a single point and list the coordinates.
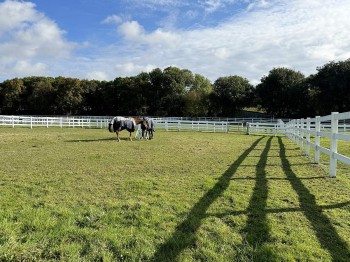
(78, 195)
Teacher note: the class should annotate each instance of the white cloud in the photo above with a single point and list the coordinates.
(28, 40)
(298, 34)
(133, 31)
(222, 53)
(13, 14)
(211, 6)
(259, 4)
(97, 75)
(129, 68)
(112, 19)
(25, 68)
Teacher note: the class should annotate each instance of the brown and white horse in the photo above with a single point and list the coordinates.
(120, 123)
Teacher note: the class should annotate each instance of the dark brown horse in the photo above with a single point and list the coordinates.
(147, 128)
(120, 123)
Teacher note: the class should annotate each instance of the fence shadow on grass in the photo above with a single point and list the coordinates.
(257, 229)
(322, 226)
(185, 233)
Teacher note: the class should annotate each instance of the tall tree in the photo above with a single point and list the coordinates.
(230, 94)
(176, 83)
(11, 92)
(91, 97)
(197, 99)
(41, 98)
(68, 95)
(280, 93)
(331, 84)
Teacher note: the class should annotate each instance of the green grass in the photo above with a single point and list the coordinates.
(78, 195)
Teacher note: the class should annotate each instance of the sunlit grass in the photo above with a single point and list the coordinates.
(77, 194)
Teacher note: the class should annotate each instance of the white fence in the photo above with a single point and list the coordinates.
(212, 126)
(307, 134)
(266, 128)
(34, 121)
(301, 130)
(169, 124)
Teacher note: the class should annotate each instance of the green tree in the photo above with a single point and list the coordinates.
(92, 102)
(282, 93)
(197, 99)
(156, 93)
(41, 97)
(176, 83)
(331, 86)
(68, 95)
(11, 92)
(230, 94)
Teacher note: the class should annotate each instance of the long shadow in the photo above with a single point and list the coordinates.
(90, 140)
(185, 233)
(257, 229)
(278, 210)
(322, 226)
(100, 140)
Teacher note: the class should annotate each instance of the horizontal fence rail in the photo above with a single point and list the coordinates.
(169, 124)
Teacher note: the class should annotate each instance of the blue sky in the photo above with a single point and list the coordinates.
(110, 38)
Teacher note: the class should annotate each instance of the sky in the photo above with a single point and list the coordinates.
(105, 39)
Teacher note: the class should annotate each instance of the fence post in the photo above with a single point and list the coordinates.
(334, 146)
(13, 121)
(31, 122)
(294, 131)
(317, 139)
(297, 132)
(301, 133)
(47, 122)
(308, 135)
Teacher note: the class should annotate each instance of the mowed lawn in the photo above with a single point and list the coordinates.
(78, 195)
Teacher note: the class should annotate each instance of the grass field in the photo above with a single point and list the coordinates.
(77, 195)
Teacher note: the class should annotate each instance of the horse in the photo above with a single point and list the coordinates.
(147, 128)
(120, 123)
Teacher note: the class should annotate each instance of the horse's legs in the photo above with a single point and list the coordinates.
(130, 137)
(117, 133)
(150, 132)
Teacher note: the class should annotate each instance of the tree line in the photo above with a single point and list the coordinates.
(178, 92)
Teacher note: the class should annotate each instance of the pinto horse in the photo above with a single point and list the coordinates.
(147, 128)
(120, 123)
